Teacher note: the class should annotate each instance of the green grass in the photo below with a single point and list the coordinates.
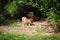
(13, 36)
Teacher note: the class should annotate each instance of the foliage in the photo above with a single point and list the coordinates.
(43, 5)
(2, 19)
(53, 16)
(11, 7)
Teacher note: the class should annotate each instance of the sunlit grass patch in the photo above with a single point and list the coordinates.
(14, 36)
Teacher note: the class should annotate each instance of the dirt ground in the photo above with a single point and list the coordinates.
(38, 27)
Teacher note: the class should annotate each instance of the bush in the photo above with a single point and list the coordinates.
(2, 19)
(53, 18)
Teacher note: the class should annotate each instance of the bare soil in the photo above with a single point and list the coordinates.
(29, 29)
